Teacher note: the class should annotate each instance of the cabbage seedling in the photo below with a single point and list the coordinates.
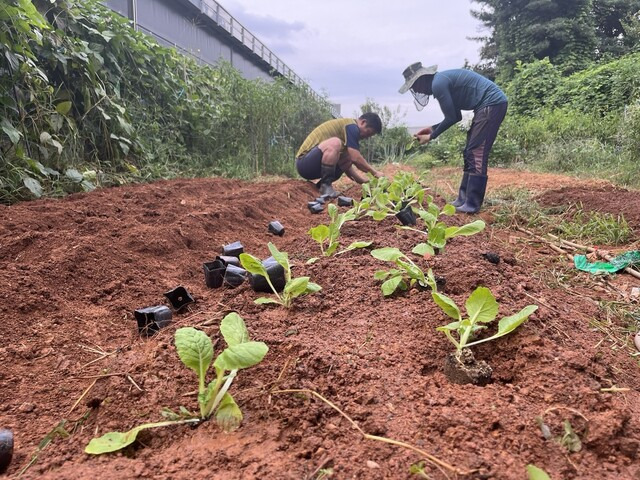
(293, 288)
(482, 308)
(404, 276)
(328, 234)
(437, 231)
(195, 349)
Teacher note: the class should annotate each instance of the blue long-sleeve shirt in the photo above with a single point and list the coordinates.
(461, 89)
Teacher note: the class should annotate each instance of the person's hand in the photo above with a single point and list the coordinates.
(378, 174)
(424, 131)
(423, 139)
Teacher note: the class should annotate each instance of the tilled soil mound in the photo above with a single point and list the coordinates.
(72, 271)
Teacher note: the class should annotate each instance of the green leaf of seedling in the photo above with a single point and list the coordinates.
(114, 441)
(453, 326)
(536, 473)
(387, 254)
(312, 288)
(234, 330)
(319, 233)
(465, 230)
(240, 356)
(333, 212)
(509, 324)
(381, 274)
(312, 260)
(252, 264)
(428, 218)
(378, 215)
(355, 245)
(282, 258)
(391, 285)
(228, 416)
(448, 209)
(296, 287)
(423, 249)
(195, 350)
(447, 305)
(481, 306)
(265, 300)
(333, 246)
(436, 236)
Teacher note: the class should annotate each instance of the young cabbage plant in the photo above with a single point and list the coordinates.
(327, 235)
(404, 276)
(195, 349)
(293, 288)
(482, 308)
(383, 198)
(437, 232)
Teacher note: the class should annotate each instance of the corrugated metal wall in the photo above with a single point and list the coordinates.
(178, 24)
(204, 30)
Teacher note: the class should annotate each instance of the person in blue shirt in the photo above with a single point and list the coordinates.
(457, 90)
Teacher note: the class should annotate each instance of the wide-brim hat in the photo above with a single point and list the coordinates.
(413, 72)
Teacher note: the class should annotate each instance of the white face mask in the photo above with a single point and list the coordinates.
(420, 100)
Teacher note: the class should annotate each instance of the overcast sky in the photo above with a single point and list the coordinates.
(357, 49)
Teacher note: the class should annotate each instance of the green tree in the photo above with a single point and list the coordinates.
(526, 30)
(615, 20)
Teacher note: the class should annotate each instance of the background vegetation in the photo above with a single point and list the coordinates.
(85, 100)
(571, 71)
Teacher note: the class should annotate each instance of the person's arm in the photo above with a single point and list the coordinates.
(359, 162)
(442, 93)
(353, 173)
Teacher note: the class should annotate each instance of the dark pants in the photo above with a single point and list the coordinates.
(481, 136)
(309, 165)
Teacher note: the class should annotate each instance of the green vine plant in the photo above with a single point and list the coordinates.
(405, 274)
(195, 350)
(294, 287)
(436, 231)
(327, 235)
(482, 308)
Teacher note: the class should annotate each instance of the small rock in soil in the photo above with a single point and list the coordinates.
(372, 464)
(492, 257)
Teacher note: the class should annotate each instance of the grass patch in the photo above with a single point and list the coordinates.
(516, 206)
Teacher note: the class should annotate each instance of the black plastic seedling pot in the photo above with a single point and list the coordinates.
(214, 273)
(228, 260)
(320, 200)
(276, 275)
(152, 319)
(314, 207)
(276, 228)
(406, 216)
(233, 249)
(345, 201)
(234, 276)
(6, 448)
(179, 298)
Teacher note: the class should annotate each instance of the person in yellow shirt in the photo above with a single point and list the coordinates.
(333, 148)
